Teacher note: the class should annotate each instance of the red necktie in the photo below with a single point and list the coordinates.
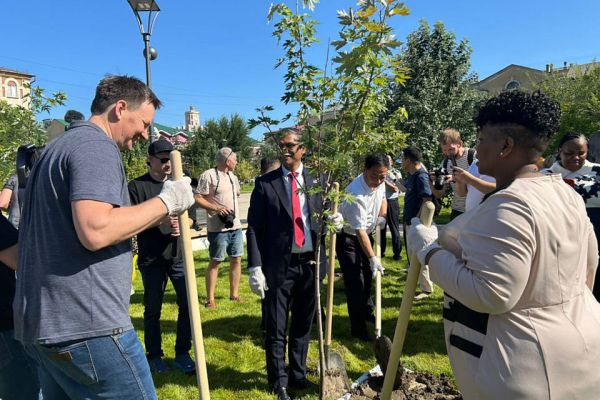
(297, 212)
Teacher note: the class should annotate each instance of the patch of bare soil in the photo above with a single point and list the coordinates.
(415, 386)
(335, 384)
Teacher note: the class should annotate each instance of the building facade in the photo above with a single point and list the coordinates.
(515, 77)
(14, 87)
(192, 120)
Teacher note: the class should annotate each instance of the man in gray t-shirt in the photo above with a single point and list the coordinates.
(74, 271)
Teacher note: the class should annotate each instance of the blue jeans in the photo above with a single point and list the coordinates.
(105, 367)
(231, 242)
(18, 372)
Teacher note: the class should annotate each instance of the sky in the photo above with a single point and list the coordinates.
(219, 56)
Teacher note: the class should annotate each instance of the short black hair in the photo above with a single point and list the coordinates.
(572, 136)
(266, 163)
(73, 115)
(413, 154)
(376, 160)
(122, 87)
(529, 118)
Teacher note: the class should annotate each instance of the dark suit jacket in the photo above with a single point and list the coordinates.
(270, 228)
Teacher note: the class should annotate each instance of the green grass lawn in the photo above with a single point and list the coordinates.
(232, 337)
(247, 187)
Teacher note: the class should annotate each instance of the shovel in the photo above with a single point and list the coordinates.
(334, 365)
(192, 291)
(427, 211)
(383, 344)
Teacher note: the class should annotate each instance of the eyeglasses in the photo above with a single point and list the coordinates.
(288, 146)
(163, 160)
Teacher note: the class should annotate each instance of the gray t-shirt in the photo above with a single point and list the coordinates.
(64, 291)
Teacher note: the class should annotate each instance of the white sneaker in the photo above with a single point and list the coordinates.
(422, 295)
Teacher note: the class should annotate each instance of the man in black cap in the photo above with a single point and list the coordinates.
(159, 258)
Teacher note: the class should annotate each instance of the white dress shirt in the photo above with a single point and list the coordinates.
(308, 246)
(363, 213)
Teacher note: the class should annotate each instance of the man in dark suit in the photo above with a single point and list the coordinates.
(282, 243)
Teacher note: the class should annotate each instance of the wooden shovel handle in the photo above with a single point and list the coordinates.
(191, 288)
(427, 211)
(377, 249)
(331, 273)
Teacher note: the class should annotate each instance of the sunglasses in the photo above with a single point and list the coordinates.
(163, 160)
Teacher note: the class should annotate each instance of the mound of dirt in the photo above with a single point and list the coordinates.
(335, 384)
(415, 386)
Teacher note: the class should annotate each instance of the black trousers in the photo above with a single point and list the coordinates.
(155, 282)
(393, 222)
(295, 297)
(357, 282)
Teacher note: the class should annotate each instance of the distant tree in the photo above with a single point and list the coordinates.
(199, 154)
(438, 93)
(247, 170)
(579, 97)
(19, 125)
(134, 160)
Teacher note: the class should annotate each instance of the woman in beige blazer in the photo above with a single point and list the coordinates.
(520, 320)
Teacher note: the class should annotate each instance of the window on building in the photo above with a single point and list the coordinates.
(11, 90)
(512, 85)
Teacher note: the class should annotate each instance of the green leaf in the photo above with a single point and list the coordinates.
(400, 10)
(368, 12)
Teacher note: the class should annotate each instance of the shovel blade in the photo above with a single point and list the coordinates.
(335, 378)
(383, 348)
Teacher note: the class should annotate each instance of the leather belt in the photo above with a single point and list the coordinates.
(303, 257)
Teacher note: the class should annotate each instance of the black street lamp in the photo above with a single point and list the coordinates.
(151, 8)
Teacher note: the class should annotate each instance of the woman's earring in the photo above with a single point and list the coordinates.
(501, 153)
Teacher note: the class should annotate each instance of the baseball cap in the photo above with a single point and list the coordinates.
(160, 146)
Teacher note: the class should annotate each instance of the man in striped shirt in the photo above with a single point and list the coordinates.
(456, 155)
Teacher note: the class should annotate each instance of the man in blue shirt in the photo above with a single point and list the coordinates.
(418, 191)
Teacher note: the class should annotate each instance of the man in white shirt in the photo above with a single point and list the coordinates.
(354, 243)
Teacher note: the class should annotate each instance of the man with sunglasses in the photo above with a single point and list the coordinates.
(159, 259)
(217, 192)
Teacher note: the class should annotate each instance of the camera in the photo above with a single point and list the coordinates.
(439, 178)
(227, 219)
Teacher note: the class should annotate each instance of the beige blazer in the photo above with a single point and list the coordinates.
(521, 265)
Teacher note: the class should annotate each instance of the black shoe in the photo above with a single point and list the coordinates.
(282, 394)
(302, 384)
(397, 257)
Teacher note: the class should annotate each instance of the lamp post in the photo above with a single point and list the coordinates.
(151, 8)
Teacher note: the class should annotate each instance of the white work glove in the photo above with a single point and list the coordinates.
(375, 265)
(421, 239)
(381, 221)
(177, 195)
(257, 281)
(337, 220)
